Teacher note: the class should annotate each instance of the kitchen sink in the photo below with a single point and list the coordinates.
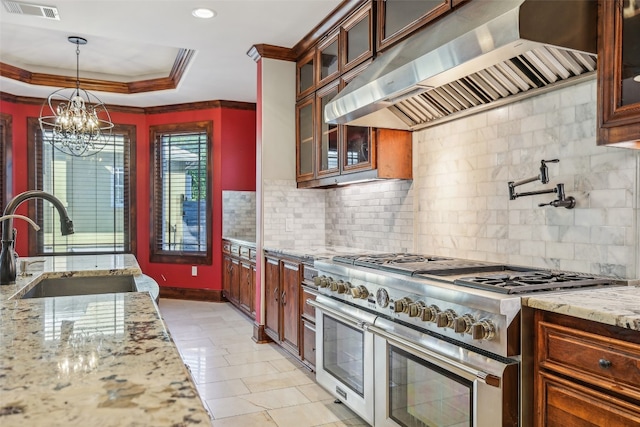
(66, 286)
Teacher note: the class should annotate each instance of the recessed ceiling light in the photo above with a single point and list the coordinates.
(203, 13)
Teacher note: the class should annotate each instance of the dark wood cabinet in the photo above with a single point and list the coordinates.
(586, 373)
(238, 276)
(305, 139)
(328, 59)
(282, 307)
(290, 306)
(619, 73)
(328, 141)
(306, 75)
(308, 326)
(272, 297)
(356, 39)
(397, 19)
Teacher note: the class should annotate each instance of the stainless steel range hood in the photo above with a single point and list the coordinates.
(484, 53)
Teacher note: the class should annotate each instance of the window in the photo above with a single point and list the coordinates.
(5, 163)
(181, 179)
(97, 191)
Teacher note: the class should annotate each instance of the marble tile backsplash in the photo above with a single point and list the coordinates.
(239, 214)
(461, 175)
(292, 217)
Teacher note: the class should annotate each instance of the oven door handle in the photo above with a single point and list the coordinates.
(361, 325)
(406, 345)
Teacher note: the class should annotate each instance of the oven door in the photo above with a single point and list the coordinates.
(344, 354)
(424, 381)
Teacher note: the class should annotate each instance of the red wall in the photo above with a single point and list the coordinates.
(234, 151)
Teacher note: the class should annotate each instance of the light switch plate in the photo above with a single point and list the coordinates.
(194, 270)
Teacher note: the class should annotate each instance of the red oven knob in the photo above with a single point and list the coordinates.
(415, 308)
(463, 324)
(401, 305)
(430, 313)
(483, 330)
(360, 292)
(445, 319)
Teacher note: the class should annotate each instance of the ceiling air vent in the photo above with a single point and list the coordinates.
(38, 10)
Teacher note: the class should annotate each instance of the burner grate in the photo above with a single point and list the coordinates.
(534, 281)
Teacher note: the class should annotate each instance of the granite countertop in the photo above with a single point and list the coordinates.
(242, 240)
(618, 306)
(99, 360)
(314, 253)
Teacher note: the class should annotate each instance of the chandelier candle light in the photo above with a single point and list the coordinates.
(73, 120)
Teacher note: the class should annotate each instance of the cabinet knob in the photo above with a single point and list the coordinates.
(604, 363)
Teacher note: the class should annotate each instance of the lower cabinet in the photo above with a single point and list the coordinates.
(586, 373)
(308, 320)
(282, 307)
(239, 276)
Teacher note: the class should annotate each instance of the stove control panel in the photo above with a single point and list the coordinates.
(454, 320)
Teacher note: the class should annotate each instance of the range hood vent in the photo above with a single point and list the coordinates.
(40, 11)
(485, 54)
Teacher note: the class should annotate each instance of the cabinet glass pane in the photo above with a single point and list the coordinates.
(631, 53)
(305, 127)
(357, 145)
(306, 76)
(400, 13)
(358, 40)
(329, 60)
(329, 141)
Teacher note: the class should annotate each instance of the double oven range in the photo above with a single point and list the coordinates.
(412, 340)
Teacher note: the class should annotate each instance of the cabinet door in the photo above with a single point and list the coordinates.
(234, 281)
(245, 296)
(305, 138)
(563, 403)
(328, 141)
(305, 75)
(357, 153)
(356, 39)
(309, 342)
(272, 297)
(399, 18)
(328, 59)
(619, 73)
(226, 277)
(253, 290)
(290, 305)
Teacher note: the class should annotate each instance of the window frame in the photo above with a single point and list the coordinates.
(35, 182)
(178, 257)
(6, 165)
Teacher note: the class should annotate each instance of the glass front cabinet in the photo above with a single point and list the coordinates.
(619, 73)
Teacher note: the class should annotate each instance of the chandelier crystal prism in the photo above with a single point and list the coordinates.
(73, 120)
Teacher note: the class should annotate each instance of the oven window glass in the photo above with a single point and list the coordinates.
(422, 394)
(343, 353)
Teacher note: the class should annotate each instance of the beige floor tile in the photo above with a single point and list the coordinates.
(314, 392)
(231, 406)
(310, 414)
(269, 355)
(245, 346)
(286, 364)
(353, 422)
(238, 371)
(258, 419)
(279, 399)
(220, 389)
(276, 380)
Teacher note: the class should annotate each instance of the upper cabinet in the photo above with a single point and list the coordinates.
(306, 75)
(619, 74)
(356, 37)
(399, 18)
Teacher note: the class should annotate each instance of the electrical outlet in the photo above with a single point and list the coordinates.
(194, 270)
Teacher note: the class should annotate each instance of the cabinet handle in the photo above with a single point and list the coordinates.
(284, 296)
(604, 363)
(275, 294)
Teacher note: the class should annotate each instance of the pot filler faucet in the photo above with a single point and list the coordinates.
(7, 255)
(562, 200)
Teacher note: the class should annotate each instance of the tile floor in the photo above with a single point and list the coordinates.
(244, 384)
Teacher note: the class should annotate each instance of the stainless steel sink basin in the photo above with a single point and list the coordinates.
(65, 286)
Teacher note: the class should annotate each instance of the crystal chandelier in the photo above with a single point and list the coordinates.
(73, 120)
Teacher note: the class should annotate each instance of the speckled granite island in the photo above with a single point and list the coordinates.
(617, 306)
(90, 360)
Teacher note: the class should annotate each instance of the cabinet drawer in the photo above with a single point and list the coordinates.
(308, 311)
(604, 362)
(226, 247)
(244, 252)
(235, 249)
